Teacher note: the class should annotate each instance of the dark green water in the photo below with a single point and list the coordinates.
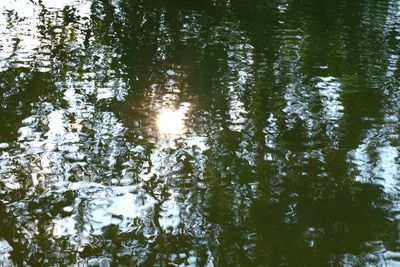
(199, 133)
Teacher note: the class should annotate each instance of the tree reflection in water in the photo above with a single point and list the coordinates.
(212, 133)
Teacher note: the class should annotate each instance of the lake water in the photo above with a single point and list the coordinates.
(199, 133)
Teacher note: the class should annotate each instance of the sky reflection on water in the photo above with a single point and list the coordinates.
(211, 133)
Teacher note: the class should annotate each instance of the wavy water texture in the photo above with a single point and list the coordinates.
(208, 133)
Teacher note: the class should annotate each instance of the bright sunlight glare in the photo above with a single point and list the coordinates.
(171, 122)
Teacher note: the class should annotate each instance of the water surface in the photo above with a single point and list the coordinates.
(199, 133)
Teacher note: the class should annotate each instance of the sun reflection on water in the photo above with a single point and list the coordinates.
(171, 122)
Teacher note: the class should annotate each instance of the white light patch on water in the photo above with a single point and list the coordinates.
(64, 226)
(98, 214)
(24, 7)
(169, 216)
(283, 7)
(57, 124)
(4, 145)
(4, 247)
(68, 209)
(387, 169)
(18, 35)
(84, 6)
(199, 142)
(104, 206)
(105, 93)
(330, 90)
(381, 168)
(237, 111)
(392, 66)
(130, 206)
(22, 43)
(361, 159)
(239, 64)
(5, 250)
